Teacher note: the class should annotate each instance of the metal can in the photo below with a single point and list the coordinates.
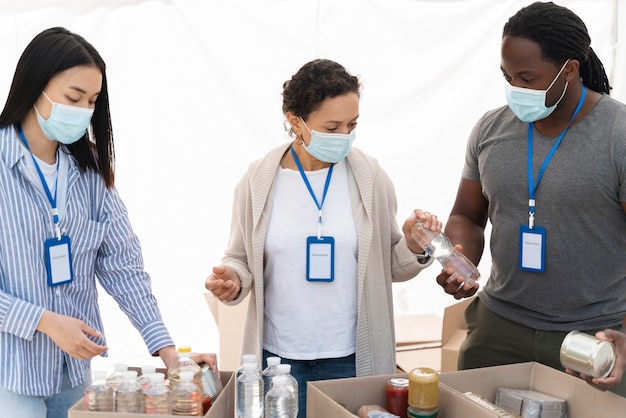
(397, 390)
(587, 355)
(211, 383)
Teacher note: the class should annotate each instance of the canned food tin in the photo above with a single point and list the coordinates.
(587, 355)
(211, 383)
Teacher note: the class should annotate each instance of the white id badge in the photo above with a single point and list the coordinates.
(320, 259)
(59, 260)
(532, 248)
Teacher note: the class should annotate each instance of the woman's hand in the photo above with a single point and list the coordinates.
(223, 283)
(70, 334)
(428, 220)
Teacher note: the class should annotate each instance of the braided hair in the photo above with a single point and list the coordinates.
(561, 35)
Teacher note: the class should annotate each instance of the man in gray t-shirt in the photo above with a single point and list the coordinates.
(549, 172)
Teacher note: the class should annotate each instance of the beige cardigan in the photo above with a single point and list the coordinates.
(383, 254)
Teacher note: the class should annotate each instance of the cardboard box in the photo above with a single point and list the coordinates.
(418, 342)
(583, 401)
(223, 407)
(229, 321)
(341, 398)
(453, 334)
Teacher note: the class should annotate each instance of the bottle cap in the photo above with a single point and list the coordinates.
(183, 349)
(147, 369)
(248, 358)
(130, 375)
(157, 377)
(283, 368)
(273, 361)
(249, 366)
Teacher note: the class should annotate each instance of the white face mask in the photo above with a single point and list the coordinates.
(530, 105)
(329, 147)
(66, 124)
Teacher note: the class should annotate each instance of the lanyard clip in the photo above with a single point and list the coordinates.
(57, 231)
(531, 220)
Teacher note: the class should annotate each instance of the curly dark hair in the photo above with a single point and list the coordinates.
(316, 81)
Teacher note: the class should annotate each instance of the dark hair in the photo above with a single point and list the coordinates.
(316, 81)
(52, 51)
(561, 35)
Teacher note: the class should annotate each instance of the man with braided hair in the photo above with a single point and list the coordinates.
(549, 172)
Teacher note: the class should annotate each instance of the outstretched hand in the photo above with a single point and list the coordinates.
(223, 283)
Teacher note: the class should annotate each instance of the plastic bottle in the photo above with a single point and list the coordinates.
(280, 401)
(157, 397)
(128, 395)
(99, 396)
(250, 398)
(118, 375)
(184, 364)
(292, 384)
(186, 396)
(437, 245)
(246, 358)
(269, 372)
(144, 379)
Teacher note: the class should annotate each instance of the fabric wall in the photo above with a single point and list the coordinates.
(195, 89)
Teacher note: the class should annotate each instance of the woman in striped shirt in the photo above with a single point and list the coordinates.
(62, 225)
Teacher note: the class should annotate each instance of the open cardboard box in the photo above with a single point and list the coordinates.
(418, 341)
(453, 334)
(341, 398)
(223, 407)
(583, 401)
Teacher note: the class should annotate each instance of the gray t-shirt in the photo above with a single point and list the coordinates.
(578, 203)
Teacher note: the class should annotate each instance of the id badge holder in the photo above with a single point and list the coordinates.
(320, 259)
(58, 255)
(532, 248)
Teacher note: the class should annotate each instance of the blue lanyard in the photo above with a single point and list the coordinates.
(308, 186)
(52, 199)
(532, 185)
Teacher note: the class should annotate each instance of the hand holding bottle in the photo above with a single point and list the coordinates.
(427, 220)
(437, 245)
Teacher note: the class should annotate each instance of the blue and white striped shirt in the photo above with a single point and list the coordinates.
(104, 246)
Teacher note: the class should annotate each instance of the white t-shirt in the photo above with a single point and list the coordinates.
(310, 320)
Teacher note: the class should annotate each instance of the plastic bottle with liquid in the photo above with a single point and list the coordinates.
(292, 384)
(128, 395)
(250, 399)
(118, 375)
(280, 401)
(157, 397)
(438, 246)
(184, 364)
(246, 358)
(99, 396)
(269, 372)
(186, 396)
(144, 379)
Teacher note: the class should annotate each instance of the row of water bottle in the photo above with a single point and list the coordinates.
(271, 393)
(123, 391)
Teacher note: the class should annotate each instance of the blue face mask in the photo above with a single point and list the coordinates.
(329, 147)
(66, 124)
(530, 105)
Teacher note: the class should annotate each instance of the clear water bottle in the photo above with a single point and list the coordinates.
(292, 384)
(157, 397)
(269, 372)
(186, 396)
(118, 375)
(250, 392)
(184, 364)
(246, 358)
(437, 245)
(99, 396)
(280, 401)
(128, 395)
(144, 379)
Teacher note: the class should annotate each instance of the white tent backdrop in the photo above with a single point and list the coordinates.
(195, 90)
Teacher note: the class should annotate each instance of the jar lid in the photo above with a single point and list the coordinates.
(399, 382)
